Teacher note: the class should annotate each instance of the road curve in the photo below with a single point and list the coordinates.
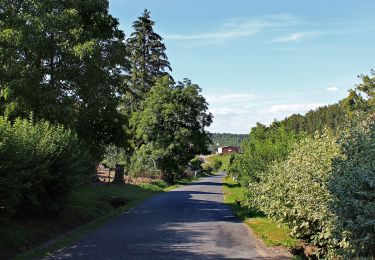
(190, 222)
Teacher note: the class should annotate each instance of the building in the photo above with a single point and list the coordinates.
(228, 149)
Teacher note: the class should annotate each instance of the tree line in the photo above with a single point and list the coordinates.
(315, 174)
(226, 139)
(74, 91)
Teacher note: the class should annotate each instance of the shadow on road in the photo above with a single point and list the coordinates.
(181, 224)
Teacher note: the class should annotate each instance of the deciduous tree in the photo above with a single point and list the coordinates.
(172, 121)
(64, 61)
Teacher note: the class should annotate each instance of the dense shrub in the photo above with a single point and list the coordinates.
(352, 185)
(39, 164)
(295, 191)
(217, 164)
(264, 146)
(207, 168)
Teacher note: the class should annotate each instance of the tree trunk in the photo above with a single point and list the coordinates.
(119, 174)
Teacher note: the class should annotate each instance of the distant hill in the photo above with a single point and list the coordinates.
(226, 139)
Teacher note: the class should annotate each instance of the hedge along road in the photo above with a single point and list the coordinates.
(190, 222)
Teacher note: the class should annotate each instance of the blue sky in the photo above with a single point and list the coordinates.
(257, 61)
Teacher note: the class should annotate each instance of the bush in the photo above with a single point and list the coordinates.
(196, 163)
(217, 164)
(353, 187)
(207, 168)
(295, 191)
(39, 165)
(265, 146)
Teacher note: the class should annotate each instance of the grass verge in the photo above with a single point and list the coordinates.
(85, 209)
(223, 158)
(270, 232)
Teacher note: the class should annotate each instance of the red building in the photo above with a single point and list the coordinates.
(228, 149)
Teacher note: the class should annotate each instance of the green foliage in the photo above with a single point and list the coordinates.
(39, 165)
(196, 163)
(64, 61)
(352, 185)
(217, 164)
(144, 160)
(207, 168)
(226, 140)
(332, 116)
(147, 59)
(362, 98)
(270, 232)
(114, 155)
(295, 191)
(265, 146)
(170, 123)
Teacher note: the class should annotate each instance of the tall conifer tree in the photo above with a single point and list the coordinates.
(147, 58)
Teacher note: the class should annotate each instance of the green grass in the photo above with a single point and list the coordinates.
(85, 209)
(223, 158)
(270, 232)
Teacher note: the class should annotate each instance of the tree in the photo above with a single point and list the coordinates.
(226, 139)
(332, 116)
(362, 98)
(264, 146)
(171, 123)
(352, 185)
(295, 191)
(63, 61)
(147, 58)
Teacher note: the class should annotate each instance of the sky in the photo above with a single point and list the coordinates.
(257, 61)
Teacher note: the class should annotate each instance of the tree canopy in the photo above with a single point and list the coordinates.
(170, 123)
(147, 58)
(63, 61)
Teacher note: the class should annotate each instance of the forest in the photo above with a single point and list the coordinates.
(315, 174)
(75, 91)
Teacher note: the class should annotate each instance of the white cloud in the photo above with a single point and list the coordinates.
(332, 89)
(240, 119)
(296, 37)
(291, 108)
(239, 28)
(228, 111)
(230, 98)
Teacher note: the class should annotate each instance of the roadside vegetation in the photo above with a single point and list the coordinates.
(75, 92)
(82, 94)
(314, 174)
(84, 209)
(269, 231)
(218, 161)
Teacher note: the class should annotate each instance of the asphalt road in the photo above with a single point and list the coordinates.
(190, 222)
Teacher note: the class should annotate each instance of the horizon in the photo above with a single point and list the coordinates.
(260, 62)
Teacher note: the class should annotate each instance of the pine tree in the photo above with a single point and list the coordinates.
(147, 57)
